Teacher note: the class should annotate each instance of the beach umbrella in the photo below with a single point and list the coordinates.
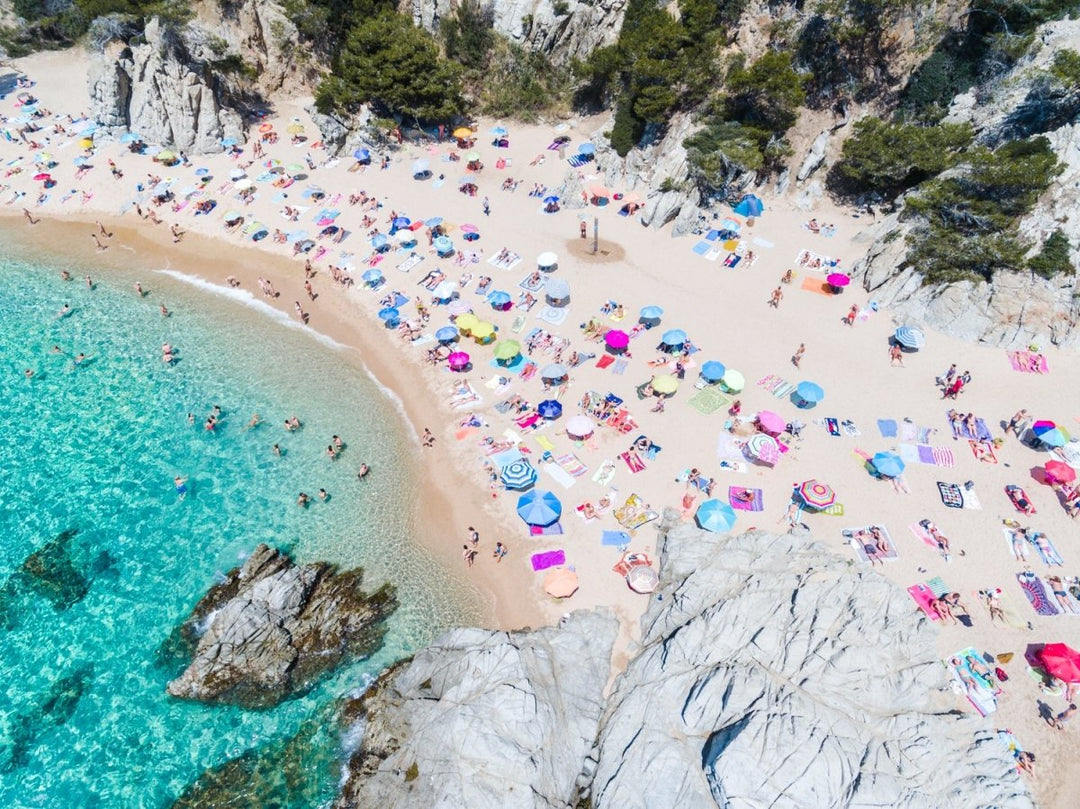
(379, 241)
(41, 177)
(444, 291)
(733, 380)
(372, 276)
(202, 172)
(549, 409)
(810, 392)
(499, 131)
(233, 216)
(816, 495)
(599, 193)
(1055, 438)
(434, 221)
(458, 360)
(1043, 426)
(243, 184)
(673, 337)
(642, 579)
(420, 166)
(549, 200)
(362, 155)
(467, 228)
(713, 371)
(749, 206)
(650, 315)
(554, 372)
(458, 307)
(443, 245)
(617, 339)
(166, 155)
(586, 149)
(764, 448)
(267, 127)
(473, 155)
(770, 422)
(1061, 661)
(296, 235)
(81, 161)
(227, 142)
(518, 475)
(665, 384)
(88, 143)
(716, 516)
(481, 332)
(1060, 472)
(888, 464)
(498, 299)
(447, 334)
(561, 583)
(910, 337)
(237, 174)
(838, 279)
(547, 261)
(539, 507)
(463, 132)
(467, 322)
(405, 237)
(507, 350)
(580, 427)
(389, 313)
(294, 129)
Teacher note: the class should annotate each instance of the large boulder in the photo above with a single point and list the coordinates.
(272, 629)
(485, 720)
(774, 674)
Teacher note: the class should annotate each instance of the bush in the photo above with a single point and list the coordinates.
(627, 130)
(1066, 68)
(768, 94)
(467, 34)
(520, 84)
(1053, 259)
(888, 159)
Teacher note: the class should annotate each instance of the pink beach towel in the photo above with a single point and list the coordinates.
(923, 597)
(546, 559)
(633, 461)
(923, 534)
(757, 504)
(1027, 362)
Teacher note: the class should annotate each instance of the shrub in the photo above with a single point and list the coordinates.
(1066, 68)
(1053, 259)
(518, 83)
(467, 34)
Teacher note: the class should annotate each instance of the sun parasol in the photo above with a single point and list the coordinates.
(810, 392)
(764, 448)
(294, 129)
(770, 422)
(1060, 472)
(447, 334)
(462, 132)
(457, 360)
(838, 279)
(467, 322)
(518, 475)
(554, 371)
(507, 350)
(444, 291)
(642, 579)
(547, 261)
(650, 315)
(1061, 661)
(733, 380)
(549, 409)
(580, 427)
(665, 384)
(443, 245)
(909, 337)
(816, 495)
(539, 507)
(458, 307)
(888, 464)
(389, 313)
(713, 371)
(498, 299)
(716, 516)
(561, 583)
(617, 339)
(673, 337)
(482, 331)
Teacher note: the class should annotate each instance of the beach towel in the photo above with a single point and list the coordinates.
(833, 426)
(983, 696)
(1048, 553)
(1027, 362)
(983, 451)
(942, 456)
(1036, 594)
(951, 495)
(1011, 744)
(629, 561)
(708, 401)
(835, 510)
(861, 540)
(925, 454)
(909, 431)
(529, 371)
(818, 285)
(545, 443)
(410, 262)
(558, 474)
(924, 598)
(572, 464)
(546, 559)
(921, 533)
(615, 539)
(769, 382)
(1020, 500)
(506, 457)
(850, 429)
(783, 390)
(735, 499)
(620, 366)
(909, 453)
(546, 530)
(1023, 548)
(937, 586)
(633, 514)
(633, 461)
(605, 361)
(1008, 607)
(971, 499)
(702, 247)
(552, 315)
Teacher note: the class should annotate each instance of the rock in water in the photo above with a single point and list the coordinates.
(51, 573)
(272, 629)
(772, 674)
(485, 719)
(54, 708)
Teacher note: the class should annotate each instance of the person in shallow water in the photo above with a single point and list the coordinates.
(181, 486)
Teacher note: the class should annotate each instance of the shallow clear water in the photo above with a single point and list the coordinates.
(84, 719)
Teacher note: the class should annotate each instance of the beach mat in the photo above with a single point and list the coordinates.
(922, 596)
(560, 475)
(615, 538)
(1008, 608)
(555, 529)
(708, 401)
(951, 495)
(757, 504)
(983, 697)
(863, 545)
(887, 428)
(546, 559)
(1027, 362)
(818, 285)
(1036, 594)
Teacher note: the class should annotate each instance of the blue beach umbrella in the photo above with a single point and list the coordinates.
(443, 245)
(716, 516)
(518, 475)
(713, 371)
(81, 161)
(810, 392)
(888, 464)
(909, 337)
(555, 371)
(673, 337)
(389, 313)
(447, 334)
(1055, 438)
(539, 508)
(549, 409)
(498, 299)
(372, 276)
(363, 155)
(227, 142)
(380, 242)
(401, 222)
(297, 235)
(651, 312)
(499, 131)
(749, 206)
(434, 221)
(129, 137)
(550, 199)
(586, 148)
(202, 172)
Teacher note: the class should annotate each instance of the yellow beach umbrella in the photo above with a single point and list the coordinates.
(166, 155)
(294, 129)
(466, 322)
(86, 143)
(483, 331)
(463, 132)
(665, 384)
(507, 350)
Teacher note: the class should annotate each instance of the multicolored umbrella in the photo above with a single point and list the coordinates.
(561, 583)
(550, 408)
(713, 371)
(642, 579)
(518, 475)
(1061, 661)
(888, 464)
(539, 507)
(816, 495)
(716, 516)
(1060, 472)
(1055, 438)
(764, 448)
(1042, 427)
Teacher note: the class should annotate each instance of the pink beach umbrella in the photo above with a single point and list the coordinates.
(458, 360)
(617, 340)
(770, 422)
(838, 279)
(470, 229)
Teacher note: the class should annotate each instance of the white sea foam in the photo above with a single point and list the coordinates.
(247, 299)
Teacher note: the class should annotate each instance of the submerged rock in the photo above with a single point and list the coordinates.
(272, 629)
(52, 709)
(484, 719)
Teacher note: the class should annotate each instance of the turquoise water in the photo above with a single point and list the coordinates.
(84, 719)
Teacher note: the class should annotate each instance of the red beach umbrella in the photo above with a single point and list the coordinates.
(42, 176)
(267, 127)
(1060, 471)
(1061, 661)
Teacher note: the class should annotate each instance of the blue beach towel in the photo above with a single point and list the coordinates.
(701, 248)
(887, 427)
(615, 538)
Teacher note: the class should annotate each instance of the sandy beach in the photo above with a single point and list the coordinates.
(874, 404)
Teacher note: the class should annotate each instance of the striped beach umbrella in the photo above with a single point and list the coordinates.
(764, 448)
(910, 337)
(816, 495)
(518, 475)
(716, 516)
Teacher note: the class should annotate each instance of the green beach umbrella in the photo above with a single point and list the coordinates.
(507, 350)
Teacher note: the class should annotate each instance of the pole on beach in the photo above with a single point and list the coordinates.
(595, 234)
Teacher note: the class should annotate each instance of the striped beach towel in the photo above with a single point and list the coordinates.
(572, 464)
(937, 586)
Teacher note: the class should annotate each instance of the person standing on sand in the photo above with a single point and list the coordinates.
(796, 358)
(777, 296)
(584, 229)
(29, 216)
(501, 551)
(102, 231)
(177, 234)
(474, 536)
(469, 555)
(896, 355)
(1017, 422)
(1059, 721)
(428, 440)
(487, 207)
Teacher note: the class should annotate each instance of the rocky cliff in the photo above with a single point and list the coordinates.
(571, 29)
(272, 628)
(771, 673)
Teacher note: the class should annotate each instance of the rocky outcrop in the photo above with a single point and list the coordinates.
(562, 29)
(160, 90)
(770, 673)
(773, 674)
(257, 34)
(485, 719)
(272, 628)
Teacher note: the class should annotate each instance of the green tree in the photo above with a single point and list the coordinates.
(396, 67)
(768, 94)
(467, 34)
(1066, 68)
(1053, 259)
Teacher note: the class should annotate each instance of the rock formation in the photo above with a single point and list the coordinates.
(771, 673)
(160, 90)
(49, 710)
(566, 30)
(484, 719)
(272, 628)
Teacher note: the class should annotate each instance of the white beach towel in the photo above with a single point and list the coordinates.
(561, 476)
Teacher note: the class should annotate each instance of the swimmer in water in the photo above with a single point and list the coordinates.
(181, 486)
(323, 495)
(276, 450)
(164, 311)
(79, 359)
(255, 421)
(28, 373)
(363, 471)
(65, 310)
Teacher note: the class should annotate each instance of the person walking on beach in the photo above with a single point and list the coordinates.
(474, 536)
(310, 292)
(584, 229)
(1017, 422)
(796, 358)
(487, 207)
(1059, 721)
(102, 231)
(29, 216)
(469, 555)
(853, 313)
(97, 241)
(428, 440)
(501, 551)
(777, 296)
(177, 233)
